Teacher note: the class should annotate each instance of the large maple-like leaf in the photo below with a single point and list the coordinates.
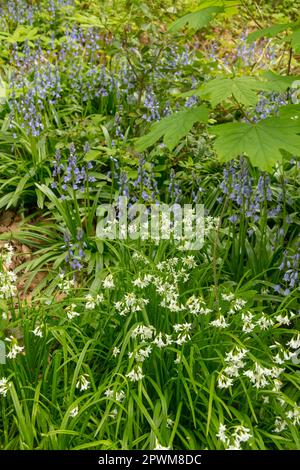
(278, 83)
(262, 142)
(243, 89)
(291, 111)
(196, 20)
(269, 32)
(295, 41)
(172, 128)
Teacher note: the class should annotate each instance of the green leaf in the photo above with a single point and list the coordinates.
(291, 111)
(196, 20)
(278, 83)
(21, 34)
(243, 89)
(173, 128)
(269, 32)
(3, 90)
(262, 142)
(295, 41)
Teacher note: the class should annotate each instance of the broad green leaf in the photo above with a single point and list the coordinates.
(269, 32)
(278, 83)
(243, 89)
(173, 128)
(291, 111)
(196, 20)
(231, 7)
(87, 20)
(295, 41)
(262, 142)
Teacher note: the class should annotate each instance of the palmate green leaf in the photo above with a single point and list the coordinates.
(269, 32)
(291, 111)
(87, 20)
(261, 142)
(196, 20)
(243, 89)
(295, 41)
(278, 83)
(172, 128)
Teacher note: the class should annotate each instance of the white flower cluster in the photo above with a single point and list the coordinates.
(237, 305)
(7, 255)
(162, 340)
(92, 302)
(8, 288)
(220, 322)
(71, 311)
(15, 349)
(113, 395)
(83, 382)
(294, 343)
(172, 270)
(144, 332)
(197, 306)
(141, 354)
(65, 285)
(135, 374)
(261, 376)
(284, 355)
(130, 303)
(108, 282)
(232, 439)
(4, 386)
(143, 282)
(292, 416)
(285, 320)
(170, 295)
(139, 257)
(38, 331)
(234, 362)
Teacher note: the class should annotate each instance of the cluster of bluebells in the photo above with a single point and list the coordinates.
(174, 190)
(269, 104)
(76, 66)
(27, 13)
(258, 55)
(290, 271)
(143, 188)
(71, 176)
(249, 196)
(76, 255)
(251, 53)
(18, 11)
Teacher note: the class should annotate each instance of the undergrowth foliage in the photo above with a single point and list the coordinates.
(140, 344)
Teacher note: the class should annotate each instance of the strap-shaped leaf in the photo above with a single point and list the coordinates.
(172, 128)
(261, 142)
(196, 20)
